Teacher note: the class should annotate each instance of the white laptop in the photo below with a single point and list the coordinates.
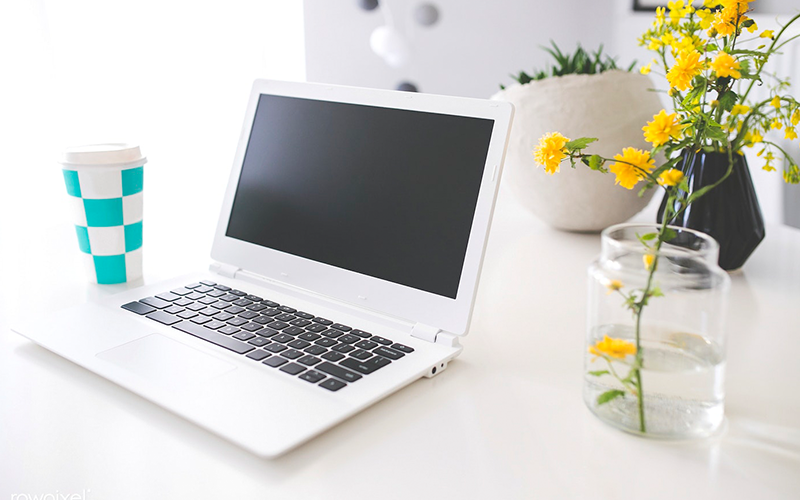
(346, 261)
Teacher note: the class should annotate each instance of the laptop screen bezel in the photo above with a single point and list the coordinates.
(400, 301)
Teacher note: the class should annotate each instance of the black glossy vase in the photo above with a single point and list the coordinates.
(729, 213)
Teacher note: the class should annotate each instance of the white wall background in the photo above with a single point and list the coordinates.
(173, 75)
(476, 44)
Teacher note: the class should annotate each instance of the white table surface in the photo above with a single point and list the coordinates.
(506, 420)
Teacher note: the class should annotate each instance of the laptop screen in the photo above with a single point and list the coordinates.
(387, 193)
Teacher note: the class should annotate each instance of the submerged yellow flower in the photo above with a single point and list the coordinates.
(648, 260)
(726, 65)
(550, 151)
(671, 177)
(686, 67)
(663, 128)
(615, 348)
(636, 163)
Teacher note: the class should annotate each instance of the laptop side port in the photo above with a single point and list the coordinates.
(437, 369)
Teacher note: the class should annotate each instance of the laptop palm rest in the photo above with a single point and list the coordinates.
(166, 362)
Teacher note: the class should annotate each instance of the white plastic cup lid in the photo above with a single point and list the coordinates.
(101, 155)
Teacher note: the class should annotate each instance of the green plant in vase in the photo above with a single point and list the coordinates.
(712, 58)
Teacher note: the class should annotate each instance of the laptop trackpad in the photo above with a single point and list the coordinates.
(166, 362)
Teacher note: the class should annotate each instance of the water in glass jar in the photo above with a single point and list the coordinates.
(682, 382)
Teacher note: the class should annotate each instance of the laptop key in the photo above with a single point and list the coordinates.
(174, 309)
(341, 327)
(278, 325)
(207, 283)
(271, 312)
(223, 316)
(251, 327)
(332, 385)
(257, 307)
(228, 330)
(195, 296)
(138, 308)
(366, 367)
(263, 320)
(360, 354)
(183, 302)
(309, 360)
(286, 317)
(322, 321)
(287, 309)
(235, 310)
(332, 333)
(213, 337)
(259, 342)
(282, 338)
(242, 302)
(181, 291)
(300, 322)
(215, 293)
(361, 333)
(207, 300)
(312, 376)
(316, 328)
(402, 348)
(258, 354)
(219, 305)
(326, 342)
(338, 372)
(155, 302)
(293, 330)
(248, 315)
(348, 339)
(275, 361)
(187, 314)
(333, 356)
(291, 354)
(315, 350)
(269, 303)
(229, 298)
(244, 336)
(303, 315)
(238, 293)
(308, 336)
(276, 347)
(366, 345)
(293, 368)
(163, 317)
(208, 311)
(196, 306)
(343, 348)
(203, 289)
(192, 285)
(299, 344)
(267, 332)
(168, 296)
(380, 340)
(237, 322)
(388, 353)
(222, 288)
(254, 298)
(214, 324)
(199, 320)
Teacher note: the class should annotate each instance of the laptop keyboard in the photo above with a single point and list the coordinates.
(317, 350)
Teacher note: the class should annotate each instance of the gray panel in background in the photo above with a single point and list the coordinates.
(791, 205)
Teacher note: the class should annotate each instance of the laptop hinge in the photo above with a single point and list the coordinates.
(226, 270)
(435, 335)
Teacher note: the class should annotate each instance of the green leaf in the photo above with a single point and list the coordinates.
(668, 234)
(595, 162)
(609, 395)
(648, 237)
(579, 143)
(727, 100)
(599, 373)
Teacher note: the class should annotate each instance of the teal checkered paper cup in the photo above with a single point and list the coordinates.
(104, 183)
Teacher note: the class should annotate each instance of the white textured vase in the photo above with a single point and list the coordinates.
(612, 106)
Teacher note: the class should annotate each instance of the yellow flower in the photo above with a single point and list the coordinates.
(790, 134)
(776, 124)
(753, 27)
(660, 18)
(776, 102)
(671, 177)
(637, 162)
(796, 117)
(767, 34)
(768, 168)
(550, 151)
(706, 17)
(662, 128)
(686, 67)
(648, 260)
(616, 348)
(668, 39)
(739, 109)
(645, 70)
(726, 65)
(614, 285)
(753, 137)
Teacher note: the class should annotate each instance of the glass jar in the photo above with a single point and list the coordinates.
(658, 372)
